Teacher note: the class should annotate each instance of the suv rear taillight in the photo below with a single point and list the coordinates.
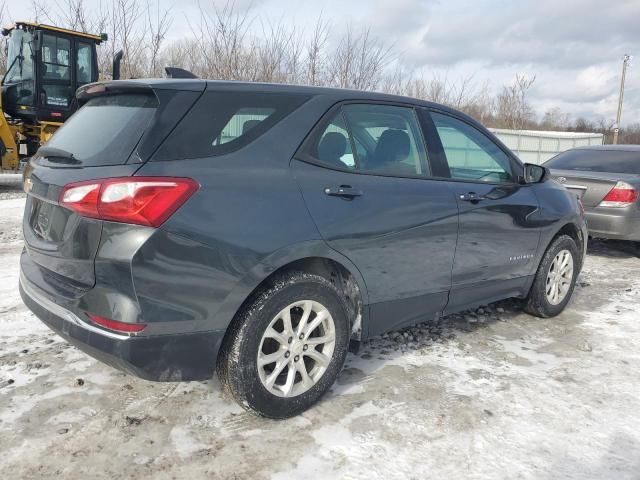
(621, 195)
(137, 200)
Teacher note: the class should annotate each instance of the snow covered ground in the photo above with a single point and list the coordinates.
(488, 394)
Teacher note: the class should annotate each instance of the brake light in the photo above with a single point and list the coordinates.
(138, 200)
(115, 325)
(621, 195)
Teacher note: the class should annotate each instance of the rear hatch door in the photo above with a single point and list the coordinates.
(112, 135)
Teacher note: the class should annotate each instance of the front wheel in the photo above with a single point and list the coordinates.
(555, 279)
(287, 346)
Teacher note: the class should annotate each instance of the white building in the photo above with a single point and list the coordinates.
(535, 146)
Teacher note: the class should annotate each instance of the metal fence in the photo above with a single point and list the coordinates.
(533, 146)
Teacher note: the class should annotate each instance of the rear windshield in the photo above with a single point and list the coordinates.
(222, 122)
(105, 130)
(614, 161)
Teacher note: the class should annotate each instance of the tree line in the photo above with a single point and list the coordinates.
(229, 43)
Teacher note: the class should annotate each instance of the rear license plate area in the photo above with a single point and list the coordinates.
(47, 220)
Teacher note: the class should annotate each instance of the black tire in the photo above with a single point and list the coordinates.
(537, 302)
(237, 363)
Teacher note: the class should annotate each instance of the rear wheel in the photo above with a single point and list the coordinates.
(555, 279)
(287, 346)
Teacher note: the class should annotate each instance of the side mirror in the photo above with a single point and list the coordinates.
(535, 173)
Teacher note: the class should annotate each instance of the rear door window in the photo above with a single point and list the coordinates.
(104, 131)
(334, 145)
(222, 122)
(390, 137)
(372, 138)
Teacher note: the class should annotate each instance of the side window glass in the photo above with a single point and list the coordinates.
(387, 139)
(334, 145)
(56, 85)
(84, 65)
(471, 155)
(243, 120)
(222, 121)
(55, 56)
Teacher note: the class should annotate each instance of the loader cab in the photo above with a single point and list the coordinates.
(45, 66)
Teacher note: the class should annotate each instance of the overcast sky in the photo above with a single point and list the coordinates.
(574, 47)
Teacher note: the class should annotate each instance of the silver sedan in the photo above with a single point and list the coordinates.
(607, 179)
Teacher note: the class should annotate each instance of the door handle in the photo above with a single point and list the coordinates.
(471, 197)
(343, 191)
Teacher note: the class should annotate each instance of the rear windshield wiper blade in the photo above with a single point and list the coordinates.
(57, 155)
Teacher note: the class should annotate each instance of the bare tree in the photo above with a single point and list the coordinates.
(512, 108)
(158, 22)
(358, 61)
(555, 119)
(227, 42)
(40, 11)
(277, 54)
(73, 15)
(630, 134)
(315, 52)
(129, 34)
(221, 36)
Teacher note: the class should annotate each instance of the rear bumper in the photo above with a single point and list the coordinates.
(175, 357)
(620, 223)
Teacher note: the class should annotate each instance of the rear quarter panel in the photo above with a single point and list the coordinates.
(247, 219)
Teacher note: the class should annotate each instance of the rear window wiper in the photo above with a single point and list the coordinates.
(57, 155)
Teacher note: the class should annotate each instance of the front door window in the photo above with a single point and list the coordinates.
(471, 155)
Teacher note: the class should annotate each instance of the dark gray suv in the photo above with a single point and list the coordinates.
(176, 226)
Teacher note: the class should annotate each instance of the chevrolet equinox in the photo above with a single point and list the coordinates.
(178, 227)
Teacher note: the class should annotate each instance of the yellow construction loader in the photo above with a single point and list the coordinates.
(45, 66)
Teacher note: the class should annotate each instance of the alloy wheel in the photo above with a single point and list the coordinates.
(296, 348)
(559, 277)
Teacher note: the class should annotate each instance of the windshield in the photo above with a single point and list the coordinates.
(19, 59)
(614, 161)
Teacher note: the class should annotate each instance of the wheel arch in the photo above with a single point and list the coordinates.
(312, 257)
(572, 230)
